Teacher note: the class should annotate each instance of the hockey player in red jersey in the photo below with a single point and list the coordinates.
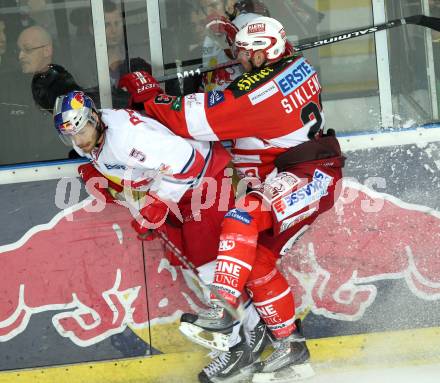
(273, 112)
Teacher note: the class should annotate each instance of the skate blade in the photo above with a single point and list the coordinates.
(208, 339)
(286, 375)
(244, 376)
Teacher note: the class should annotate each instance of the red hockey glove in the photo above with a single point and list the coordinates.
(220, 25)
(141, 85)
(151, 216)
(95, 183)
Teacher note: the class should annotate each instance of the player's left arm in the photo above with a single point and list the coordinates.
(212, 116)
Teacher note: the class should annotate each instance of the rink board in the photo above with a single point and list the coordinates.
(73, 292)
(330, 355)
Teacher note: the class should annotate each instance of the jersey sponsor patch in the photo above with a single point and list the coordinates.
(248, 82)
(294, 76)
(312, 192)
(115, 166)
(215, 97)
(289, 222)
(239, 215)
(263, 93)
(163, 99)
(221, 283)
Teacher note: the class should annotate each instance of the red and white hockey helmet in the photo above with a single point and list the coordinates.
(262, 33)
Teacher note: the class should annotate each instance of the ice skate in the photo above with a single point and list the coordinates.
(288, 363)
(259, 338)
(209, 328)
(233, 366)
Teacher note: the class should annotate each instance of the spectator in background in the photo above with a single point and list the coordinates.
(118, 57)
(35, 49)
(118, 60)
(26, 126)
(114, 32)
(3, 41)
(8, 36)
(4, 64)
(211, 7)
(83, 47)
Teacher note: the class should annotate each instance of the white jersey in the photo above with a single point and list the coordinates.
(143, 154)
(213, 54)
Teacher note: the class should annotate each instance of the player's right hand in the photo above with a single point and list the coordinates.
(150, 217)
(96, 184)
(141, 86)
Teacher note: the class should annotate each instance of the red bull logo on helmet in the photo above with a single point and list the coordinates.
(66, 128)
(77, 101)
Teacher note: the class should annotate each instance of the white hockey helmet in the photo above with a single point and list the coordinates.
(262, 33)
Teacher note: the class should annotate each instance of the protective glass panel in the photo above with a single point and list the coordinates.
(434, 9)
(126, 28)
(35, 34)
(413, 54)
(347, 69)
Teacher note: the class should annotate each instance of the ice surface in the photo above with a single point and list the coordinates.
(407, 374)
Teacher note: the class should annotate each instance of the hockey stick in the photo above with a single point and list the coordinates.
(236, 313)
(315, 42)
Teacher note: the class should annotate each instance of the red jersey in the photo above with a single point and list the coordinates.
(264, 112)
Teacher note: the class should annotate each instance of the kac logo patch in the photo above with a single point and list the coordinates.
(215, 97)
